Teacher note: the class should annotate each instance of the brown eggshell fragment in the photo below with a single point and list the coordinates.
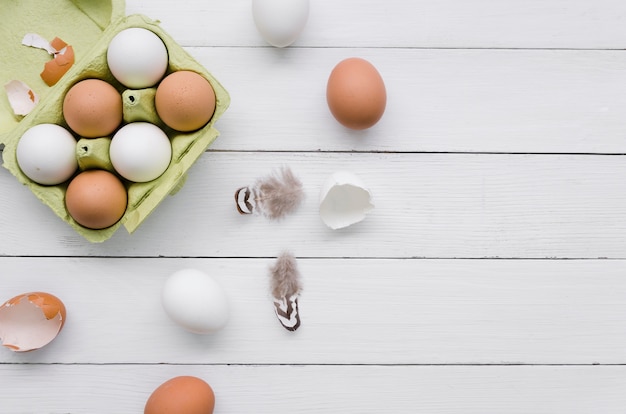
(31, 321)
(185, 101)
(62, 62)
(181, 395)
(96, 199)
(356, 93)
(93, 108)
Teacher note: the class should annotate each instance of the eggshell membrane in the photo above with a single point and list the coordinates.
(93, 108)
(181, 395)
(356, 93)
(96, 199)
(31, 321)
(185, 101)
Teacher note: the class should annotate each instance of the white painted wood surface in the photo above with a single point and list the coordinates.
(490, 278)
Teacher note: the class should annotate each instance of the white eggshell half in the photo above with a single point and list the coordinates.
(344, 200)
(195, 301)
(46, 153)
(137, 57)
(280, 22)
(140, 151)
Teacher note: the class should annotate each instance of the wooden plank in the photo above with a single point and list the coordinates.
(305, 389)
(399, 23)
(353, 312)
(427, 205)
(438, 100)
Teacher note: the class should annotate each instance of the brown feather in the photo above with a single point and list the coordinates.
(278, 194)
(285, 287)
(285, 277)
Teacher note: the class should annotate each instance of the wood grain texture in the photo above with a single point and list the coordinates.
(427, 205)
(490, 278)
(531, 101)
(308, 389)
(355, 311)
(400, 23)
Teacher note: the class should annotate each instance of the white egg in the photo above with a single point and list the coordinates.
(46, 154)
(280, 22)
(137, 58)
(195, 301)
(140, 152)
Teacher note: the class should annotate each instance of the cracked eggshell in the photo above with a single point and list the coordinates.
(344, 200)
(195, 301)
(31, 321)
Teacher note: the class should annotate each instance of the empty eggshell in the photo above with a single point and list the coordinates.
(30, 321)
(195, 301)
(21, 97)
(344, 200)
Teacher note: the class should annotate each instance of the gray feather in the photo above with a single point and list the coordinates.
(285, 277)
(278, 194)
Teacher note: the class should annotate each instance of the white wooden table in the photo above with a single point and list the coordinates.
(490, 278)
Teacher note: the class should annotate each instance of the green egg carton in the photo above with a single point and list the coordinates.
(88, 26)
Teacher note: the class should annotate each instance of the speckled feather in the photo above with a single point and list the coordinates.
(278, 194)
(285, 276)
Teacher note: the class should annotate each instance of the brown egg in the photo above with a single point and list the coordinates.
(356, 93)
(185, 101)
(96, 199)
(93, 108)
(181, 395)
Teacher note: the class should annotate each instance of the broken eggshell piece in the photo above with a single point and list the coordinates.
(62, 53)
(21, 97)
(31, 321)
(344, 200)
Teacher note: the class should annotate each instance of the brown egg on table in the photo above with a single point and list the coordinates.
(185, 101)
(181, 395)
(92, 108)
(356, 93)
(96, 199)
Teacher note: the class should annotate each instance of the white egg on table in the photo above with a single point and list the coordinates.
(137, 58)
(46, 153)
(280, 22)
(140, 151)
(194, 300)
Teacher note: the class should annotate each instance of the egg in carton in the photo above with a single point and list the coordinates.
(89, 27)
